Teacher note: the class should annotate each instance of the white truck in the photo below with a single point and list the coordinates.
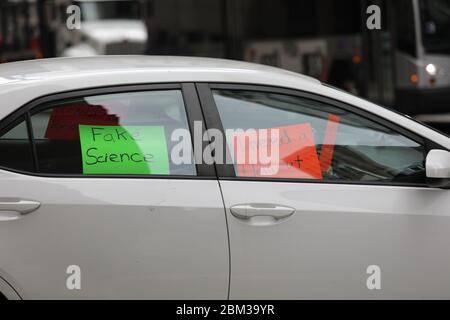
(107, 27)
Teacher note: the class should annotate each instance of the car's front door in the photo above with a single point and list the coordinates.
(341, 211)
(116, 213)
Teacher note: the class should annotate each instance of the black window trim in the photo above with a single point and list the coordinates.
(191, 104)
(227, 172)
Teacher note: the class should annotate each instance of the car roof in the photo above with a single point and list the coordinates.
(63, 68)
(26, 80)
(21, 82)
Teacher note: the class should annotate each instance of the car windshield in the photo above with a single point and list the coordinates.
(106, 10)
(435, 16)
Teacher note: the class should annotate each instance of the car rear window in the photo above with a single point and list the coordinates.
(113, 134)
(15, 147)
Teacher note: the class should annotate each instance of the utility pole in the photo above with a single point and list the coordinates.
(365, 52)
(3, 26)
(232, 14)
(47, 40)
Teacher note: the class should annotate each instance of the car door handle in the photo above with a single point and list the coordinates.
(19, 206)
(247, 211)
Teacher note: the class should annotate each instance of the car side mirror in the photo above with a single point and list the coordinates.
(437, 167)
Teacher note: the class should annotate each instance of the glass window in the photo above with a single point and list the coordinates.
(15, 148)
(121, 133)
(307, 139)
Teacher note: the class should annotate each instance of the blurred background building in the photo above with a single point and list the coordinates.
(404, 65)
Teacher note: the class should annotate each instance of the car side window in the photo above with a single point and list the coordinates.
(313, 140)
(15, 147)
(119, 133)
(111, 134)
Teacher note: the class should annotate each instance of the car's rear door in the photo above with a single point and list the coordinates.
(95, 202)
(342, 211)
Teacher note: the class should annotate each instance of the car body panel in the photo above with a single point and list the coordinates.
(132, 239)
(7, 290)
(324, 249)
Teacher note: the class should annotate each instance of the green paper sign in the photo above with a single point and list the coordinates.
(124, 149)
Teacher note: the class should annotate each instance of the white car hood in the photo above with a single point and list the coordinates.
(108, 31)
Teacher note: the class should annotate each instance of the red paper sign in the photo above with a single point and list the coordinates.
(64, 121)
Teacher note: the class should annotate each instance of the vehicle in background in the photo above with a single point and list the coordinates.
(108, 27)
(333, 59)
(423, 55)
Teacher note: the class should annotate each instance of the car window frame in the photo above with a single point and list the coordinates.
(191, 104)
(227, 171)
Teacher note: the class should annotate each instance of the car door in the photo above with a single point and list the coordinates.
(345, 214)
(94, 203)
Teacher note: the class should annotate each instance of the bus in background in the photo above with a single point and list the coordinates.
(422, 56)
(332, 59)
(405, 65)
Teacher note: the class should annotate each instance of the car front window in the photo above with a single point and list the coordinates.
(318, 141)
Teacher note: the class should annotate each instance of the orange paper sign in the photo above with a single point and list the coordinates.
(297, 155)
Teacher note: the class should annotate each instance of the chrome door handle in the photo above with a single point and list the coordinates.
(19, 206)
(247, 211)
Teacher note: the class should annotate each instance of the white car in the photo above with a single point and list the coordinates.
(100, 196)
